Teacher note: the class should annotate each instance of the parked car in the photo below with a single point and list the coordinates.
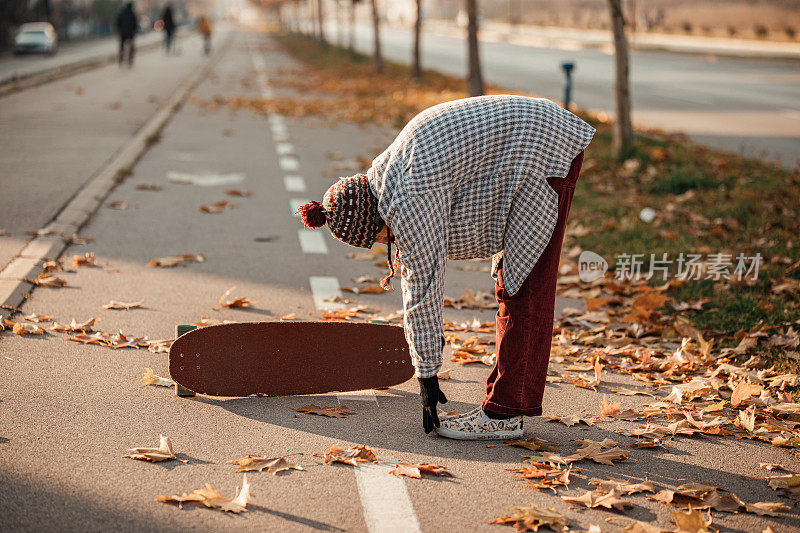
(36, 37)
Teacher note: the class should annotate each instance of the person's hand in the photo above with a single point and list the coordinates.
(430, 395)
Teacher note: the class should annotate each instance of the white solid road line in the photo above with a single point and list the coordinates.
(294, 205)
(324, 288)
(294, 183)
(312, 241)
(387, 505)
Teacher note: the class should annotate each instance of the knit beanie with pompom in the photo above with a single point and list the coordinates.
(351, 211)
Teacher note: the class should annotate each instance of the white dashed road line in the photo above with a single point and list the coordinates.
(294, 183)
(384, 498)
(312, 241)
(387, 505)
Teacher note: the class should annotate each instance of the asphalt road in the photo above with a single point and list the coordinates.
(745, 106)
(69, 411)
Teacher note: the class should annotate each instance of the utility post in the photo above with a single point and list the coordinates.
(567, 67)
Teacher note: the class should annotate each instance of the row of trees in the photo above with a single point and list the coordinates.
(313, 11)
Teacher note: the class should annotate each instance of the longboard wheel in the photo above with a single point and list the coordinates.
(180, 390)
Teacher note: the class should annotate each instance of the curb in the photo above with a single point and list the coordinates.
(55, 237)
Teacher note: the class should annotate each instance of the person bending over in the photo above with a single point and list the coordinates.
(490, 176)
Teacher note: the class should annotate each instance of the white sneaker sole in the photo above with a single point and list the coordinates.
(494, 435)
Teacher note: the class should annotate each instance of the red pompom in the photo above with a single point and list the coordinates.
(312, 214)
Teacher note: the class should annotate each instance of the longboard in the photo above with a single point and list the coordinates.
(288, 358)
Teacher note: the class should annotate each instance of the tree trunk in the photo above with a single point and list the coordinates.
(376, 28)
(352, 45)
(623, 130)
(475, 80)
(321, 22)
(417, 67)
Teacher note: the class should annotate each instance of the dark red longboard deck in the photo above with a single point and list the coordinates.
(290, 358)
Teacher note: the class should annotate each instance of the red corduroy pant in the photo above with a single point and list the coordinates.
(525, 321)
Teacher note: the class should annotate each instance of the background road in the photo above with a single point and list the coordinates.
(746, 106)
(69, 411)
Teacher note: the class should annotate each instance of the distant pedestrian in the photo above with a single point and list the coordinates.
(169, 27)
(127, 24)
(204, 27)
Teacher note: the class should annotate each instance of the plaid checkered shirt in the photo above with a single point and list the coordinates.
(464, 180)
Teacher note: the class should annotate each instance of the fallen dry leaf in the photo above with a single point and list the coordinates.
(46, 279)
(771, 466)
(86, 259)
(209, 497)
(217, 207)
(36, 317)
(533, 444)
(571, 420)
(351, 456)
(150, 378)
(692, 521)
(445, 374)
(603, 452)
(117, 204)
(148, 186)
(609, 409)
(162, 453)
(75, 326)
(609, 500)
(532, 518)
(767, 508)
(27, 329)
(368, 289)
(114, 304)
(251, 462)
(237, 302)
(338, 411)
(177, 260)
(416, 470)
(624, 487)
(244, 193)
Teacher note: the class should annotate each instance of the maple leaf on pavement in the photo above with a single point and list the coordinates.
(603, 452)
(209, 497)
(86, 259)
(767, 508)
(27, 329)
(113, 304)
(571, 420)
(532, 518)
(351, 456)
(533, 444)
(75, 326)
(624, 487)
(609, 409)
(691, 521)
(237, 302)
(162, 453)
(338, 411)
(36, 317)
(150, 378)
(177, 260)
(592, 499)
(244, 193)
(217, 207)
(416, 470)
(252, 462)
(46, 279)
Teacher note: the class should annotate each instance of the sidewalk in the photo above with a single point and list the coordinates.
(567, 38)
(84, 405)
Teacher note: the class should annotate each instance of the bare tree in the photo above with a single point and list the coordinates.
(623, 130)
(352, 44)
(417, 66)
(377, 34)
(475, 80)
(321, 22)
